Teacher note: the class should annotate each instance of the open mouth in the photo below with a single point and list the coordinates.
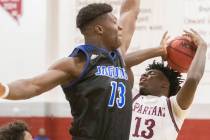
(142, 80)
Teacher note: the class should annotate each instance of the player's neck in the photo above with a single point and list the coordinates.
(95, 41)
(157, 94)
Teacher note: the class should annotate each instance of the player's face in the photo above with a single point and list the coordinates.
(112, 34)
(153, 82)
(27, 136)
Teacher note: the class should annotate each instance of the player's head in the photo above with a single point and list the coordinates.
(17, 130)
(160, 80)
(97, 23)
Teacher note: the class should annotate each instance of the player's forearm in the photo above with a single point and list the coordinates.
(22, 89)
(128, 16)
(197, 66)
(139, 56)
(186, 94)
(130, 5)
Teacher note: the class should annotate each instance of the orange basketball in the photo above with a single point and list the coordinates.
(180, 53)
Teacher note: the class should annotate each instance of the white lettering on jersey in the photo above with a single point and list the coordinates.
(151, 119)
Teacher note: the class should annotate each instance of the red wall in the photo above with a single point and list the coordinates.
(57, 128)
(195, 130)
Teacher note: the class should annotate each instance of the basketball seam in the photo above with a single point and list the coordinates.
(192, 44)
(176, 64)
(181, 52)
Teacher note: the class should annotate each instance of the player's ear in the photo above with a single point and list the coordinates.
(98, 29)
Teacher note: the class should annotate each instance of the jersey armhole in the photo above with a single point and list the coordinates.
(75, 53)
(180, 113)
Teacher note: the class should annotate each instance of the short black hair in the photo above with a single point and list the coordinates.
(174, 77)
(13, 131)
(91, 12)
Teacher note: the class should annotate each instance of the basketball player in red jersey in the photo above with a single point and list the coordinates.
(160, 106)
(101, 102)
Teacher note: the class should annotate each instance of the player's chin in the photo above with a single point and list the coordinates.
(119, 43)
(141, 86)
(143, 91)
(116, 46)
(118, 39)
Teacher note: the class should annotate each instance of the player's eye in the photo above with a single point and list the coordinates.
(152, 73)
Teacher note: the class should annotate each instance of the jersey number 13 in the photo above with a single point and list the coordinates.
(120, 100)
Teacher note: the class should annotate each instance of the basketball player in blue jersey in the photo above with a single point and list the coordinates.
(93, 77)
(159, 108)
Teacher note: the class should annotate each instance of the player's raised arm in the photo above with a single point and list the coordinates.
(128, 16)
(60, 72)
(186, 93)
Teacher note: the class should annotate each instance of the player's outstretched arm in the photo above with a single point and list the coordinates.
(186, 93)
(128, 15)
(60, 72)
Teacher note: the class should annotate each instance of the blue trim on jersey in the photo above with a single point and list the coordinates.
(75, 53)
(88, 49)
(121, 59)
(112, 54)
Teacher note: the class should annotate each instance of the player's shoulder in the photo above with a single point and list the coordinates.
(68, 61)
(72, 65)
(163, 97)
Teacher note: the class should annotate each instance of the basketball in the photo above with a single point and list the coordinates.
(180, 53)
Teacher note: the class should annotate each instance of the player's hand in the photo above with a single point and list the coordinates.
(164, 44)
(194, 37)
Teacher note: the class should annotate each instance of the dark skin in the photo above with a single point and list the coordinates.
(155, 83)
(104, 32)
(65, 70)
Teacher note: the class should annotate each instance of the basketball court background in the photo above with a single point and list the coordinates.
(45, 30)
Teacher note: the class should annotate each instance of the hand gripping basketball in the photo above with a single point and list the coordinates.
(164, 45)
(180, 53)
